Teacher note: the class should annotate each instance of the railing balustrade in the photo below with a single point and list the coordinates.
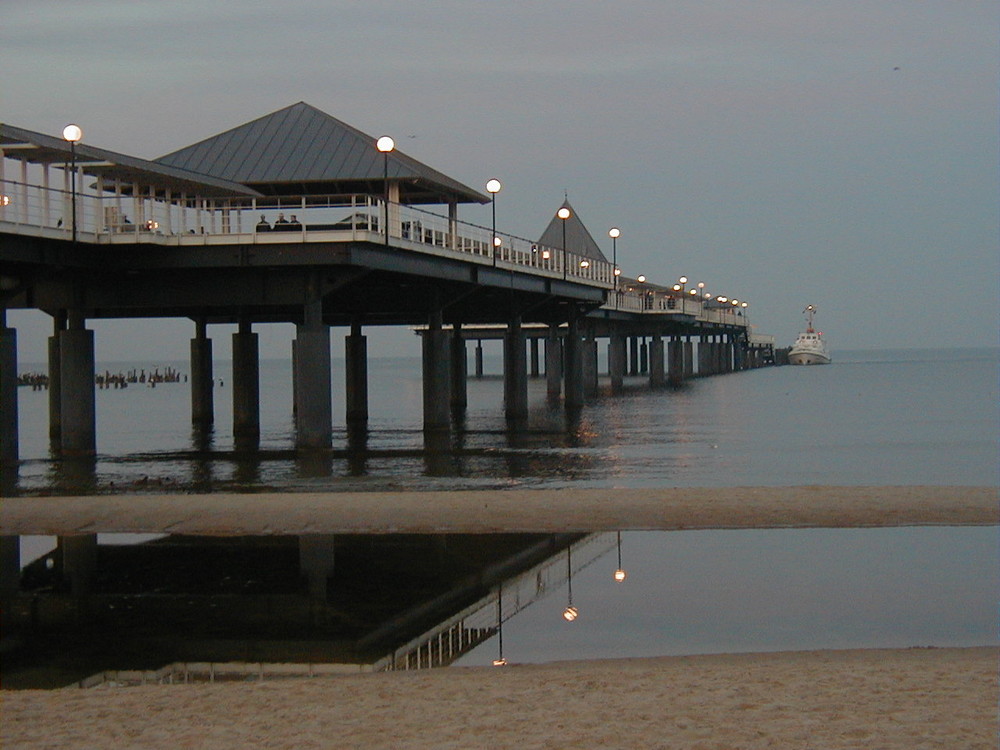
(178, 219)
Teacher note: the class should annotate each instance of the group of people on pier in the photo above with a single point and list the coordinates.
(281, 224)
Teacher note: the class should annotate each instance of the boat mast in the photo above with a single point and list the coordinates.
(809, 311)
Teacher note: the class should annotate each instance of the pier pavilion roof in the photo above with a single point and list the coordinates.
(578, 239)
(39, 148)
(301, 151)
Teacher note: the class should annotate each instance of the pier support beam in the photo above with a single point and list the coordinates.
(633, 355)
(79, 561)
(316, 563)
(78, 433)
(617, 362)
(688, 358)
(202, 377)
(9, 451)
(553, 364)
(55, 379)
(572, 347)
(479, 358)
(459, 372)
(515, 373)
(355, 376)
(246, 385)
(643, 357)
(436, 375)
(675, 361)
(589, 366)
(657, 375)
(533, 361)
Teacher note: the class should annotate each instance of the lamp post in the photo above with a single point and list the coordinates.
(614, 233)
(73, 133)
(620, 573)
(564, 213)
(385, 144)
(493, 187)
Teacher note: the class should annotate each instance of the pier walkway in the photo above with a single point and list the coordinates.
(297, 218)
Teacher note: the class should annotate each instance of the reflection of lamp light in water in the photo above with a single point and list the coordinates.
(571, 612)
(620, 573)
(500, 661)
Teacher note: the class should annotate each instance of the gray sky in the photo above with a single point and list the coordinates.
(839, 153)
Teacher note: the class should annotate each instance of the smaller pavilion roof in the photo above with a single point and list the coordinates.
(301, 150)
(578, 239)
(39, 148)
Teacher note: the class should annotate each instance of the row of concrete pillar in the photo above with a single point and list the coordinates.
(570, 364)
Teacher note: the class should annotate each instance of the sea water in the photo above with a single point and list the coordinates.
(887, 418)
(926, 417)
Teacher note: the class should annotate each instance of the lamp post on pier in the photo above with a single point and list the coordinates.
(493, 187)
(564, 213)
(385, 144)
(73, 133)
(614, 233)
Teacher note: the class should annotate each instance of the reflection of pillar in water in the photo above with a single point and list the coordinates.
(79, 561)
(10, 566)
(316, 561)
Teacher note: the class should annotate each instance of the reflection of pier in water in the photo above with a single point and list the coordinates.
(185, 607)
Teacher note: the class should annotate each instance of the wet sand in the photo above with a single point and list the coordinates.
(909, 698)
(515, 510)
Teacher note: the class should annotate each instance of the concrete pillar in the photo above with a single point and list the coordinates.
(588, 366)
(479, 358)
(719, 355)
(553, 364)
(643, 357)
(55, 381)
(533, 363)
(459, 371)
(657, 375)
(356, 375)
(688, 358)
(316, 562)
(573, 376)
(10, 566)
(79, 561)
(739, 356)
(314, 413)
(675, 361)
(202, 377)
(617, 362)
(78, 434)
(436, 376)
(633, 355)
(9, 452)
(702, 356)
(246, 385)
(515, 374)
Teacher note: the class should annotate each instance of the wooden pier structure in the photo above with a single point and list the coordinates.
(298, 218)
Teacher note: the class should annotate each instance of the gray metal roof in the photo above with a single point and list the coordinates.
(578, 239)
(39, 148)
(300, 150)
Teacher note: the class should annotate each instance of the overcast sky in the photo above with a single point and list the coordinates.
(838, 153)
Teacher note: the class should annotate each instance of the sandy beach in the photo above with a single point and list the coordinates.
(897, 698)
(912, 698)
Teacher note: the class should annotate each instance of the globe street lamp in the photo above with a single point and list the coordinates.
(614, 233)
(493, 187)
(564, 213)
(385, 144)
(73, 133)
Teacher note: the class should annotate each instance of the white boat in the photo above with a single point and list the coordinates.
(809, 347)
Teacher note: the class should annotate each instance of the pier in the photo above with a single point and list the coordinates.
(298, 218)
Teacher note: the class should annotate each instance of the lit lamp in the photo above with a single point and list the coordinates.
(584, 263)
(641, 279)
(614, 233)
(564, 213)
(620, 573)
(570, 613)
(385, 144)
(73, 133)
(493, 187)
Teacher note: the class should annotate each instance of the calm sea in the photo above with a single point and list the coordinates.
(897, 417)
(890, 417)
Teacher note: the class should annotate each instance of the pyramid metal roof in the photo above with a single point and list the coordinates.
(578, 239)
(300, 150)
